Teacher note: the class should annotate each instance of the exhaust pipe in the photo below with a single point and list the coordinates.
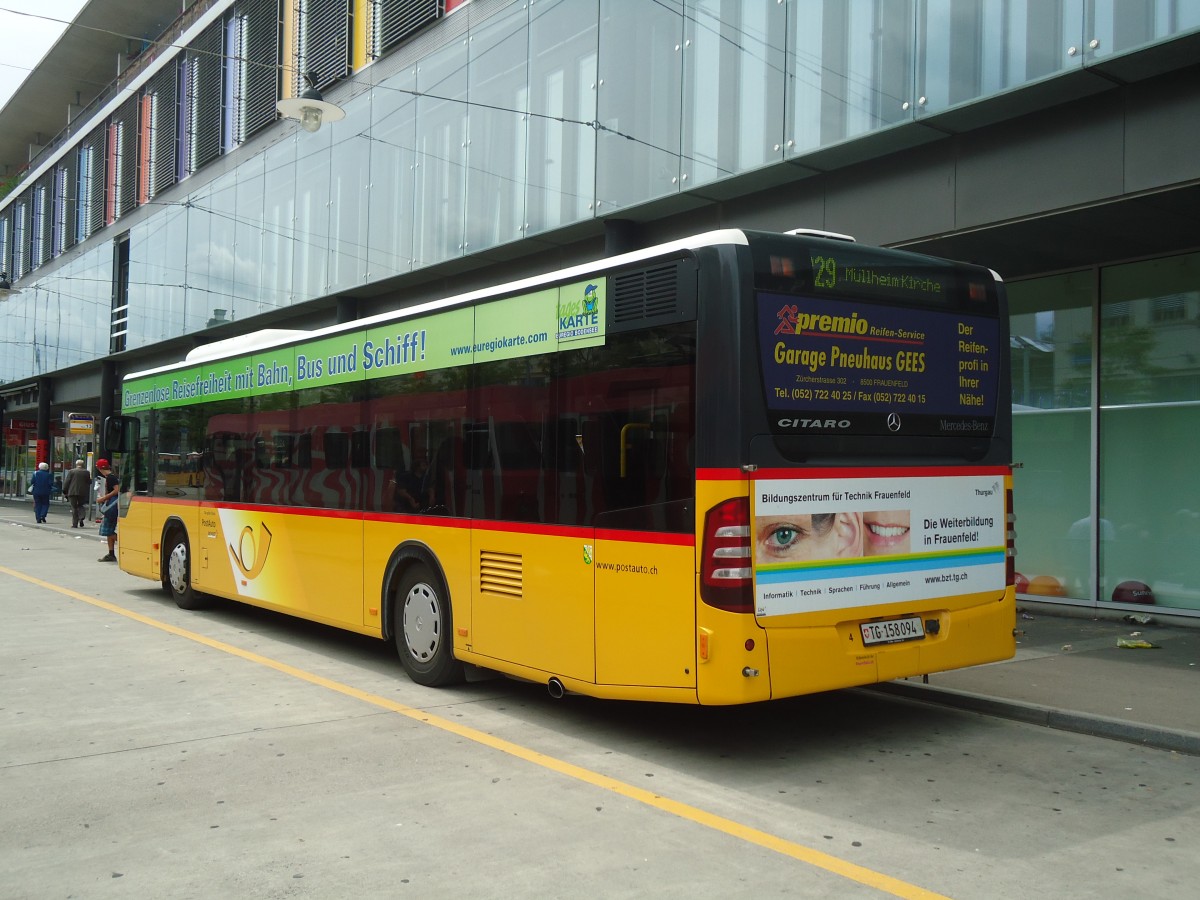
(556, 689)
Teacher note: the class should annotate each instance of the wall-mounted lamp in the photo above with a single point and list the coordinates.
(310, 107)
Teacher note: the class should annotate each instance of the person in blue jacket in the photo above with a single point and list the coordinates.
(43, 484)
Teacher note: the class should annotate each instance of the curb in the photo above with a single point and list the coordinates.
(1047, 716)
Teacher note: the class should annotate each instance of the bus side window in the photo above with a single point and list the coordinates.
(360, 450)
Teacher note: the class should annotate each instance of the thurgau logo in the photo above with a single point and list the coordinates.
(251, 553)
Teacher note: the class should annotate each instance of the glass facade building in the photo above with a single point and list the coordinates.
(494, 132)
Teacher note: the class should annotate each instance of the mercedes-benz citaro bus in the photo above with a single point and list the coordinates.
(730, 468)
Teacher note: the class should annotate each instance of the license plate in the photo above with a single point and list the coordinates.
(892, 631)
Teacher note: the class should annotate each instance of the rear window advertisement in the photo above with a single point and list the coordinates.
(835, 543)
(861, 368)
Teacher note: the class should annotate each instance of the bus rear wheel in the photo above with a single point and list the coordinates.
(177, 572)
(422, 628)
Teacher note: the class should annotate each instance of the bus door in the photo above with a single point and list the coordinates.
(645, 545)
(532, 588)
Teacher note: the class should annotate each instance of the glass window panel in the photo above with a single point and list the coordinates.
(639, 103)
(1150, 411)
(498, 87)
(1051, 338)
(509, 449)
(974, 48)
(733, 88)
(393, 173)
(310, 264)
(626, 432)
(1119, 26)
(279, 216)
(248, 237)
(226, 459)
(417, 451)
(211, 217)
(439, 222)
(326, 470)
(561, 168)
(349, 193)
(179, 452)
(850, 69)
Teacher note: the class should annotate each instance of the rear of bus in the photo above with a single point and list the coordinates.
(854, 490)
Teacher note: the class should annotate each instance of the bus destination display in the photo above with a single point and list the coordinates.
(850, 367)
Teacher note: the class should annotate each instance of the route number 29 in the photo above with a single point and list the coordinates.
(824, 271)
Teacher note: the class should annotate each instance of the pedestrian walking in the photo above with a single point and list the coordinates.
(43, 484)
(77, 484)
(107, 501)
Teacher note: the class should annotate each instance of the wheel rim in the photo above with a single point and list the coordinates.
(422, 622)
(177, 568)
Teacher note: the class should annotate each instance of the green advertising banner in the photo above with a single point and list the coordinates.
(563, 318)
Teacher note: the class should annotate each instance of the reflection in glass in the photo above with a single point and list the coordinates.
(733, 88)
(393, 173)
(638, 106)
(311, 245)
(496, 149)
(1051, 339)
(441, 155)
(279, 210)
(1150, 409)
(975, 48)
(349, 193)
(850, 69)
(255, 296)
(561, 165)
(1118, 26)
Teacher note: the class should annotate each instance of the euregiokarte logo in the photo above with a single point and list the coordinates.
(579, 316)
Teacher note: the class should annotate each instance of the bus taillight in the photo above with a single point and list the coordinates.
(726, 573)
(1010, 553)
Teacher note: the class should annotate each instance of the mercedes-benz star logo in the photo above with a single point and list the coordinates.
(893, 421)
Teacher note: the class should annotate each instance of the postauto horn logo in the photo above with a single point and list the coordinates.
(251, 555)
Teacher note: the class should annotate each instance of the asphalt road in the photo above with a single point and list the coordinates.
(150, 752)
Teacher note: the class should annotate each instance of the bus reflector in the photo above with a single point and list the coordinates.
(726, 570)
(1010, 537)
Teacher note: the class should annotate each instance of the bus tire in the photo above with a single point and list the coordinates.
(177, 572)
(422, 628)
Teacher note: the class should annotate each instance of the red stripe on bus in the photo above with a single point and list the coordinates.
(570, 531)
(730, 474)
(646, 537)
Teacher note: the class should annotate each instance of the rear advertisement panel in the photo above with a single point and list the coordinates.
(847, 541)
(851, 367)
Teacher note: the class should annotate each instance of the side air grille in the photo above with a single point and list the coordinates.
(501, 573)
(656, 295)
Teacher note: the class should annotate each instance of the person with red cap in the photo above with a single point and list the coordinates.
(107, 502)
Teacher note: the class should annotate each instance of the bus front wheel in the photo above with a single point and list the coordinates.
(422, 628)
(177, 572)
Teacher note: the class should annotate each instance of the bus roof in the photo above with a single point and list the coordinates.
(276, 337)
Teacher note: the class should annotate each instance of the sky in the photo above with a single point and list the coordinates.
(24, 40)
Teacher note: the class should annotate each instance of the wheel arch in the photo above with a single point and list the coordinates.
(406, 555)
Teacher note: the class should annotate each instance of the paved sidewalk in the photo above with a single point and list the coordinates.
(1069, 671)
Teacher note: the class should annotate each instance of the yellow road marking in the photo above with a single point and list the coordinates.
(808, 855)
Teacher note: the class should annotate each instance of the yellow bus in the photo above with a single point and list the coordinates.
(731, 468)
